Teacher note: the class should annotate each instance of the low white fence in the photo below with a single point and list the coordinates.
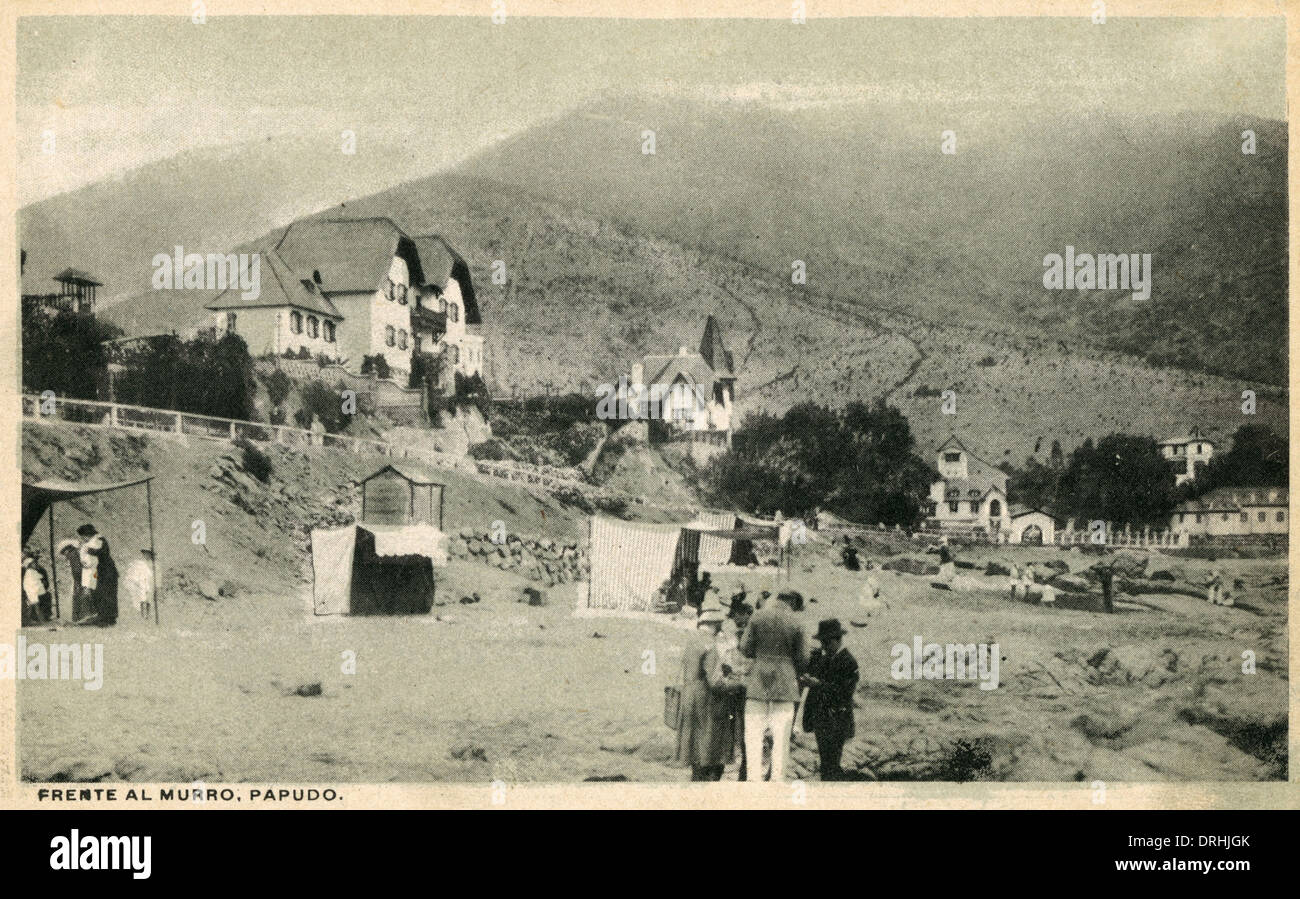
(92, 413)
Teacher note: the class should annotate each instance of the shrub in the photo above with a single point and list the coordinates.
(278, 387)
(376, 363)
(320, 400)
(256, 463)
(489, 451)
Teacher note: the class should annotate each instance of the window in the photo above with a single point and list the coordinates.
(388, 289)
(295, 322)
(401, 339)
(1281, 516)
(1261, 515)
(1198, 519)
(1245, 517)
(401, 294)
(442, 304)
(1225, 516)
(952, 507)
(313, 326)
(329, 331)
(453, 353)
(453, 312)
(952, 457)
(995, 509)
(230, 321)
(390, 336)
(975, 506)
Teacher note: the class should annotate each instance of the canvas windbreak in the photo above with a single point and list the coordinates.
(629, 562)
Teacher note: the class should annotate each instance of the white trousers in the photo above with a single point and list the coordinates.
(760, 716)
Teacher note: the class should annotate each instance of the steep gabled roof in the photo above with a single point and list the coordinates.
(439, 263)
(665, 369)
(280, 287)
(351, 255)
(978, 471)
(714, 352)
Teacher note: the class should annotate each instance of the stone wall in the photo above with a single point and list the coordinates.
(548, 562)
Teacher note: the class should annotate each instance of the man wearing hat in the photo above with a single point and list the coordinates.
(775, 641)
(832, 679)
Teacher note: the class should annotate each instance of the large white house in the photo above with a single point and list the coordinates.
(350, 288)
(970, 493)
(692, 392)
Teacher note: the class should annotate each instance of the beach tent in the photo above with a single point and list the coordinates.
(726, 538)
(631, 560)
(375, 569)
(39, 497)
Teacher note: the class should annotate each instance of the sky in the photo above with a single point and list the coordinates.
(120, 92)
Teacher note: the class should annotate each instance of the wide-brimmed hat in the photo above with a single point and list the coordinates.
(829, 629)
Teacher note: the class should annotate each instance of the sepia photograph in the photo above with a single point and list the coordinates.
(494, 400)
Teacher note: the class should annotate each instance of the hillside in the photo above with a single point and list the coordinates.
(572, 275)
(924, 271)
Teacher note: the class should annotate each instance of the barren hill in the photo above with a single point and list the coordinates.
(924, 271)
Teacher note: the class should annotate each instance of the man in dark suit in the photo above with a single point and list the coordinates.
(832, 679)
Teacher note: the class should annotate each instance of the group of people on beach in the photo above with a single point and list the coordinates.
(94, 578)
(747, 674)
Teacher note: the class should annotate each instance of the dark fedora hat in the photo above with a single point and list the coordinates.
(829, 629)
(87, 530)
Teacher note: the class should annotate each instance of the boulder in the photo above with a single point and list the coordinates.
(1070, 583)
(997, 569)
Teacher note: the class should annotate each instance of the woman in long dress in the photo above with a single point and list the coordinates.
(706, 736)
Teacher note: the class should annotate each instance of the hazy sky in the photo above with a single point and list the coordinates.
(123, 91)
